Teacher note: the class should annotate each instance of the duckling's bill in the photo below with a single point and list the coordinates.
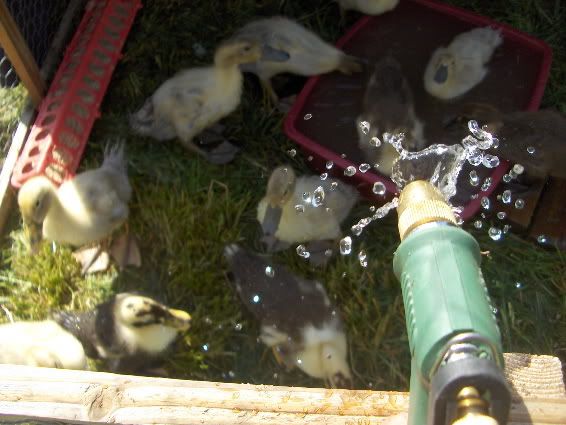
(271, 220)
(34, 234)
(441, 74)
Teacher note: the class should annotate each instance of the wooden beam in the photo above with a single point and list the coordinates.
(17, 51)
(82, 397)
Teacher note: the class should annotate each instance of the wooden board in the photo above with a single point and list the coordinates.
(82, 397)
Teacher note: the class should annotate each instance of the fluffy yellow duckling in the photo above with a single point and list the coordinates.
(84, 209)
(43, 344)
(387, 107)
(298, 320)
(456, 69)
(290, 47)
(197, 98)
(368, 7)
(303, 209)
(128, 330)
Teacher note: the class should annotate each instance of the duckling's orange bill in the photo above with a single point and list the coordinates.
(178, 319)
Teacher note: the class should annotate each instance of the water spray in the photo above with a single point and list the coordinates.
(457, 360)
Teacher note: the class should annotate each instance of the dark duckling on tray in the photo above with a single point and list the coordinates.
(298, 320)
(128, 330)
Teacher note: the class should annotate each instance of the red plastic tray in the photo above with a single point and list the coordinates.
(518, 73)
(60, 132)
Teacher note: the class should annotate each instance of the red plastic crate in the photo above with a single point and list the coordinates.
(60, 132)
(362, 40)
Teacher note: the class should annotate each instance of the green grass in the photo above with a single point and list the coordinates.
(184, 211)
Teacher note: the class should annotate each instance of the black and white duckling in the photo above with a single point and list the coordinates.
(196, 99)
(84, 209)
(303, 209)
(387, 107)
(43, 344)
(368, 7)
(456, 69)
(298, 320)
(128, 330)
(290, 47)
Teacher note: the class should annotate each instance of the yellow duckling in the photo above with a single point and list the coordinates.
(84, 209)
(197, 98)
(456, 69)
(43, 344)
(290, 47)
(387, 107)
(368, 7)
(303, 209)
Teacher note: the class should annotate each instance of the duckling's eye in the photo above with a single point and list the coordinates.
(38, 203)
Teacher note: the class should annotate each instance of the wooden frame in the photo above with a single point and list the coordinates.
(82, 397)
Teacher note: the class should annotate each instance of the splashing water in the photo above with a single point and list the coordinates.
(375, 142)
(323, 176)
(378, 188)
(300, 208)
(329, 165)
(364, 127)
(362, 257)
(302, 251)
(506, 197)
(346, 245)
(269, 271)
(307, 117)
(364, 167)
(318, 197)
(495, 233)
(292, 152)
(519, 204)
(350, 171)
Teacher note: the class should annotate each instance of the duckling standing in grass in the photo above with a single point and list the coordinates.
(128, 330)
(303, 209)
(368, 7)
(84, 209)
(298, 321)
(43, 344)
(290, 47)
(196, 99)
(456, 69)
(387, 107)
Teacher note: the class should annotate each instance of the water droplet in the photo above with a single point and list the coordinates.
(518, 285)
(364, 126)
(475, 157)
(506, 197)
(372, 208)
(318, 197)
(378, 188)
(519, 203)
(275, 375)
(362, 257)
(350, 171)
(308, 117)
(494, 233)
(300, 208)
(255, 298)
(329, 165)
(328, 253)
(364, 167)
(507, 178)
(482, 215)
(205, 347)
(346, 245)
(541, 239)
(299, 361)
(357, 229)
(485, 203)
(269, 271)
(343, 155)
(478, 224)
(501, 215)
(494, 143)
(474, 178)
(302, 251)
(375, 142)
(490, 161)
(231, 374)
(486, 184)
(531, 150)
(323, 176)
(344, 274)
(506, 228)
(518, 169)
(309, 158)
(494, 310)
(333, 185)
(306, 196)
(475, 196)
(238, 326)
(292, 152)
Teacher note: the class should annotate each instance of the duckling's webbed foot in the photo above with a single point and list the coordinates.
(125, 251)
(272, 244)
(92, 259)
(320, 252)
(223, 153)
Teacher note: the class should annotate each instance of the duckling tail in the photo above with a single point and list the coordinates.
(115, 156)
(142, 120)
(349, 64)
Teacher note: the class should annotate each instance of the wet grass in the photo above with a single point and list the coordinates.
(184, 210)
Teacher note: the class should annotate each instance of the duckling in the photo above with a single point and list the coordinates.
(290, 47)
(84, 209)
(298, 320)
(303, 209)
(368, 7)
(456, 69)
(387, 107)
(43, 344)
(197, 98)
(128, 330)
